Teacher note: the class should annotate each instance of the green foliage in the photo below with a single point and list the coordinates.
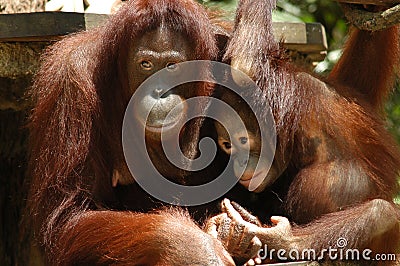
(393, 111)
(228, 6)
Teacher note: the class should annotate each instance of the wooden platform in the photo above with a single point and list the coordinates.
(306, 38)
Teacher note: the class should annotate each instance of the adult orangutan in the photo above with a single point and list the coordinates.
(335, 170)
(77, 164)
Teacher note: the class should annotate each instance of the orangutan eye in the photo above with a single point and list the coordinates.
(243, 140)
(146, 65)
(227, 145)
(172, 66)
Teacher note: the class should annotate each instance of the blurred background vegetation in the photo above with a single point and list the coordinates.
(329, 13)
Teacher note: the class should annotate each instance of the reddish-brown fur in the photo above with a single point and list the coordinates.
(366, 64)
(81, 92)
(153, 239)
(341, 164)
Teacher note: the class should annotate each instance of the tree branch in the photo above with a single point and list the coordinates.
(371, 21)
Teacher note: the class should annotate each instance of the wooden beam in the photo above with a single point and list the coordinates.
(45, 26)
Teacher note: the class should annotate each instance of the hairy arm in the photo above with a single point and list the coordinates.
(373, 225)
(162, 238)
(368, 64)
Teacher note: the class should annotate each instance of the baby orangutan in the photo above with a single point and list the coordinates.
(335, 169)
